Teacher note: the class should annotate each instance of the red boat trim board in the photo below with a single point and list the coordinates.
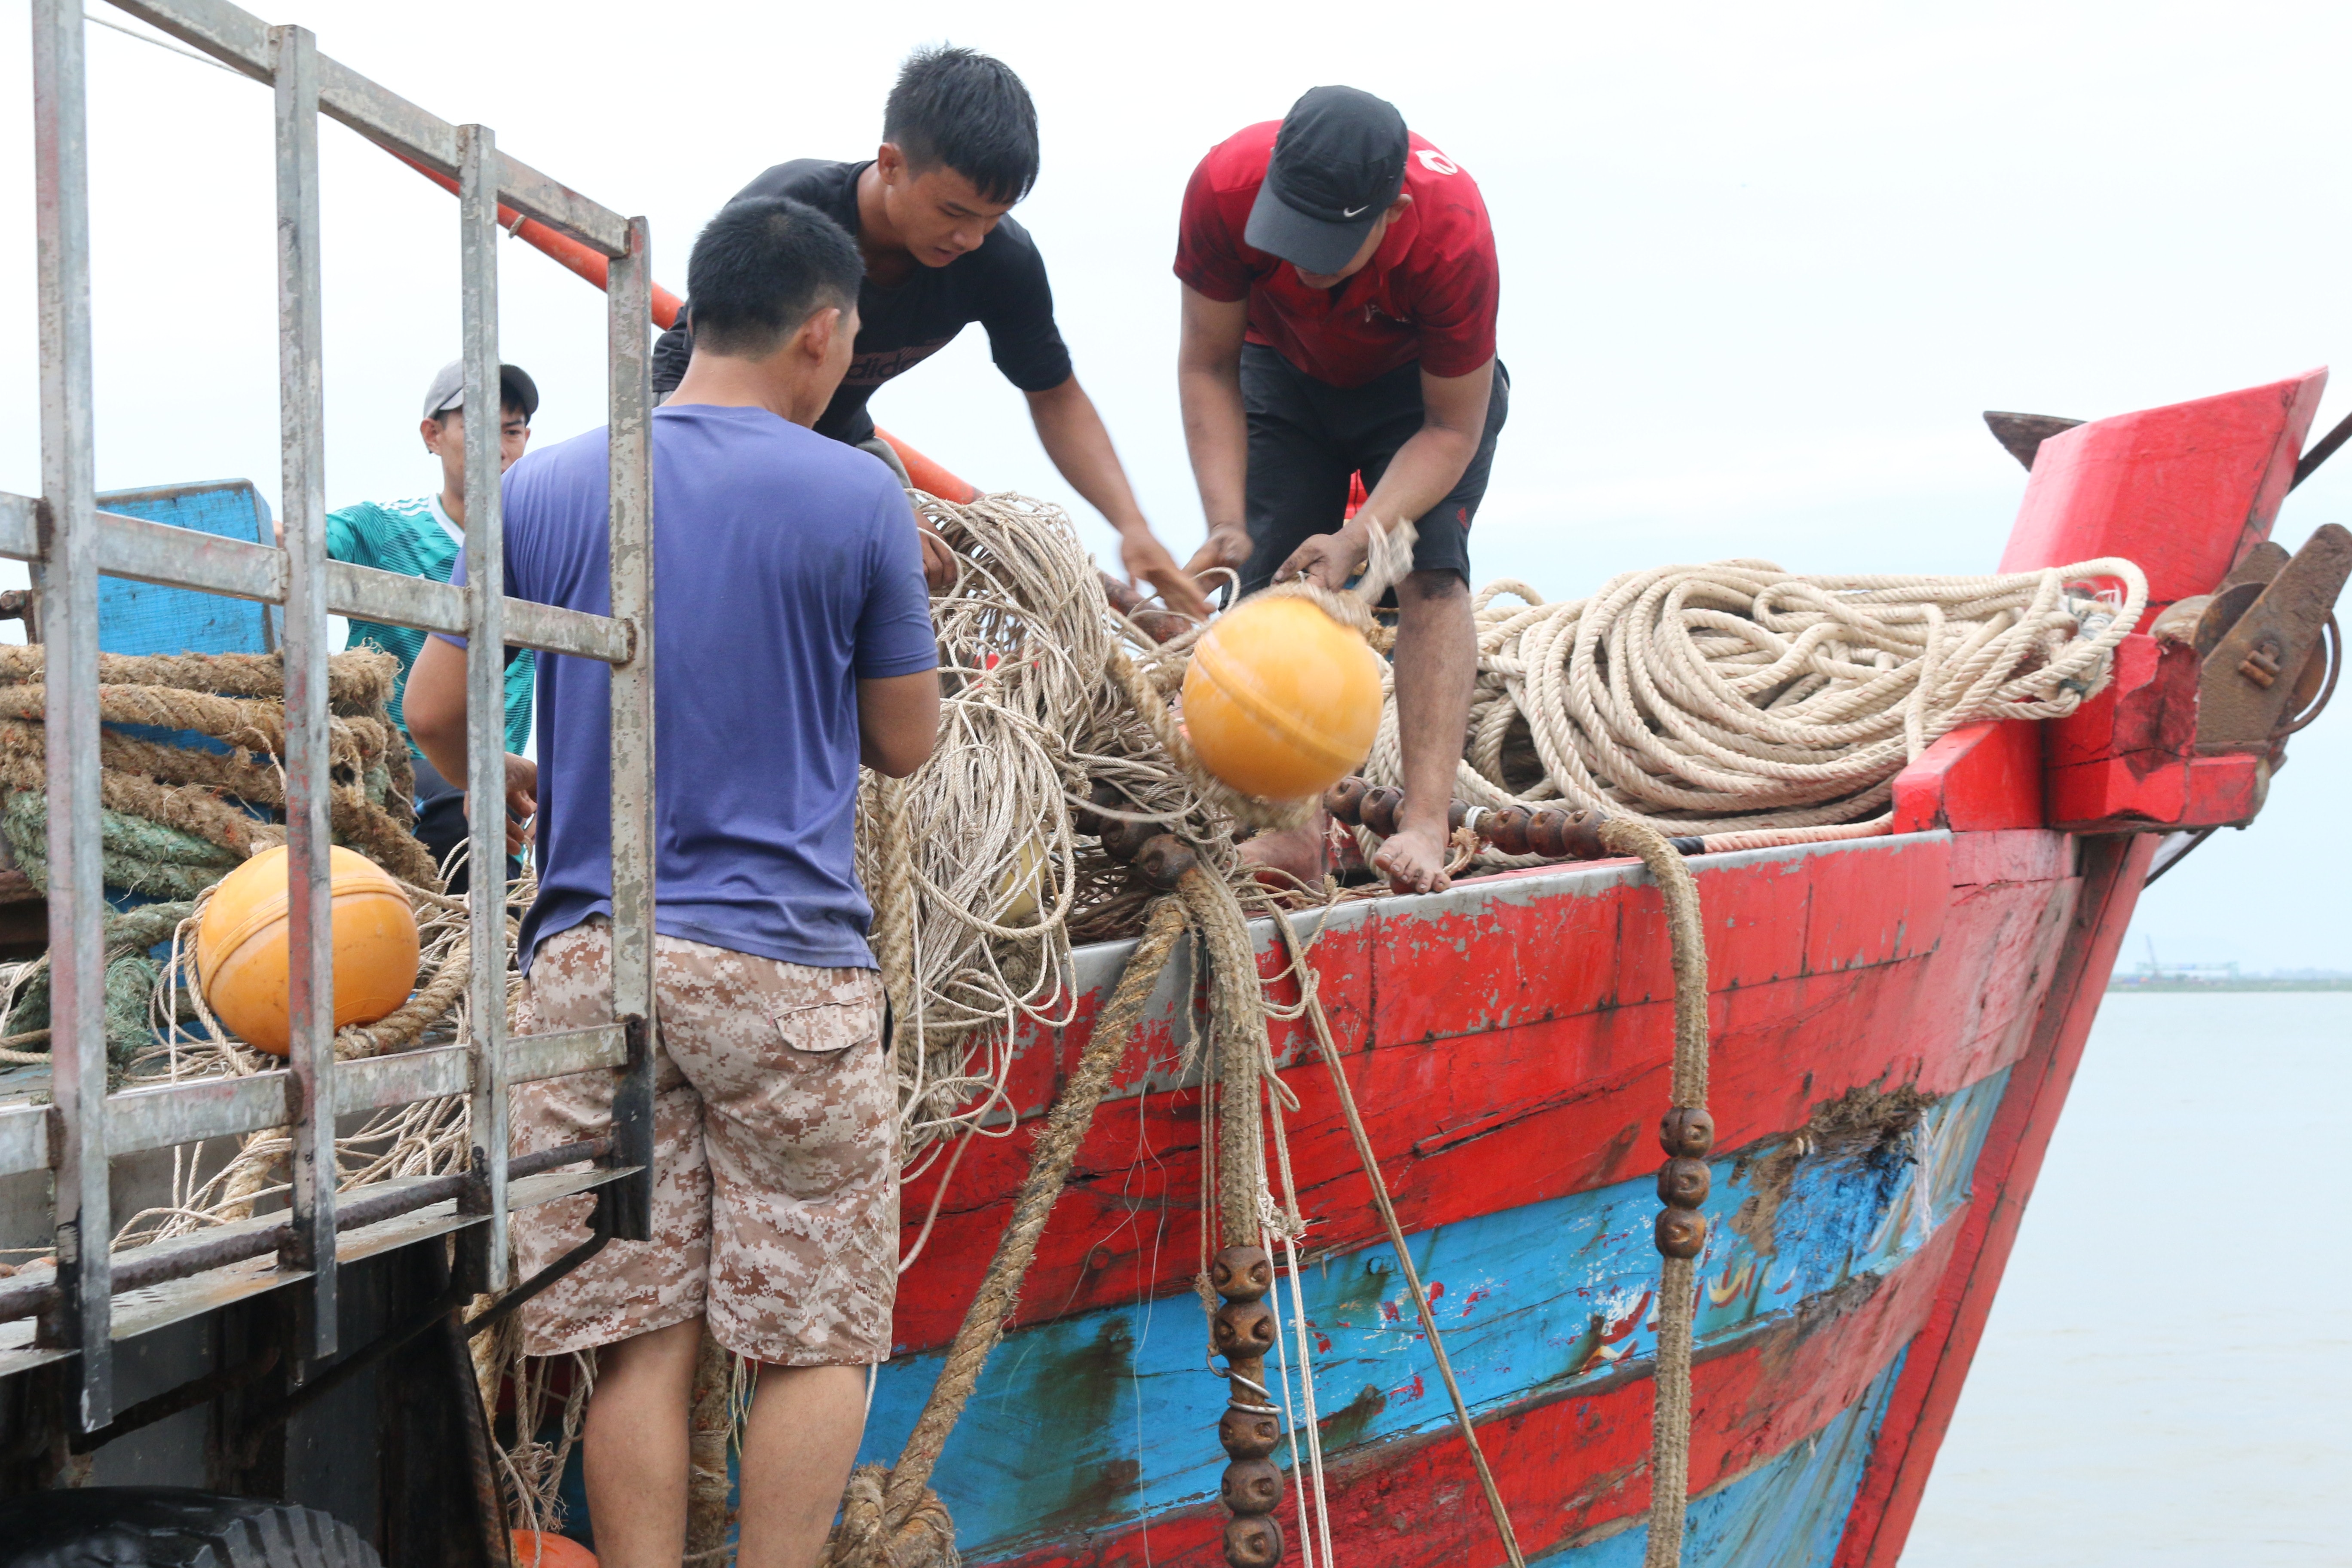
(1922, 973)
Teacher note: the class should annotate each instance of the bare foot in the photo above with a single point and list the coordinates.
(1413, 861)
(1290, 852)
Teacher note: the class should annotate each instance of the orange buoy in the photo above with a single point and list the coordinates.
(549, 1550)
(241, 946)
(545, 1548)
(1281, 700)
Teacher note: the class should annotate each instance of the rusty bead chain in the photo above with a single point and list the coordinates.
(1242, 1330)
(1685, 1133)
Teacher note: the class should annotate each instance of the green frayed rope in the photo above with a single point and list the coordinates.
(131, 976)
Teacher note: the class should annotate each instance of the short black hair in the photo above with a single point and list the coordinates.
(761, 268)
(963, 109)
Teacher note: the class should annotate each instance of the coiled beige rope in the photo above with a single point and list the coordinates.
(1734, 696)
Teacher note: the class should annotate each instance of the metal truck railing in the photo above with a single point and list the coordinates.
(94, 1297)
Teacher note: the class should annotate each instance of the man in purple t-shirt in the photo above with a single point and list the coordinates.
(792, 639)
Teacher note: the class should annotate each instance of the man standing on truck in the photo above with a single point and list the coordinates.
(421, 538)
(1340, 291)
(958, 150)
(792, 639)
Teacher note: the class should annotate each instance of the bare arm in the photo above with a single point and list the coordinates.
(1453, 420)
(1216, 428)
(898, 722)
(434, 709)
(1072, 431)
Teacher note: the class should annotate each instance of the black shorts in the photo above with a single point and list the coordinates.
(1308, 437)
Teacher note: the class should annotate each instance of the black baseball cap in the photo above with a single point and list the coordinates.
(1338, 162)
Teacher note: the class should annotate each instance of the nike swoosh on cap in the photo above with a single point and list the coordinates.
(1351, 212)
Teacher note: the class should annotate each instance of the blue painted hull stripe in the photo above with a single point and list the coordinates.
(1101, 1418)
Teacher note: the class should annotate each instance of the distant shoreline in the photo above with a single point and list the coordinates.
(2123, 985)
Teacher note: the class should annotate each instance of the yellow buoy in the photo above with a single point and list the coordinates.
(1022, 884)
(241, 946)
(1281, 700)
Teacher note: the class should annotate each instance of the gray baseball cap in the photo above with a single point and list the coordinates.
(449, 389)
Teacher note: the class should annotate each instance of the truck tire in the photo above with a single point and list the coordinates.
(173, 1526)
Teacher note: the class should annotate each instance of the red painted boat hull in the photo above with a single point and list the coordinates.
(1896, 1021)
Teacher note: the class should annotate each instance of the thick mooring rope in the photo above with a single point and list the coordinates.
(172, 817)
(1365, 1156)
(1686, 1134)
(891, 1519)
(1734, 696)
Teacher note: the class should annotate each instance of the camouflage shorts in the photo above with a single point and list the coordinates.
(775, 1205)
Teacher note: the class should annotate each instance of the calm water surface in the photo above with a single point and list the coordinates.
(2166, 1381)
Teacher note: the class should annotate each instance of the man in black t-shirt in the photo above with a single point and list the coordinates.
(959, 149)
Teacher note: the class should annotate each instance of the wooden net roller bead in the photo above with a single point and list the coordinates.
(1123, 839)
(1506, 829)
(1244, 1329)
(1163, 860)
(1345, 800)
(1089, 818)
(1683, 1184)
(1381, 805)
(1687, 1131)
(1581, 836)
(1248, 1434)
(1548, 833)
(1241, 1273)
(1253, 1540)
(1252, 1485)
(1681, 1233)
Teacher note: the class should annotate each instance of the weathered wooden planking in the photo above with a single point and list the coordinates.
(1560, 1098)
(1572, 1462)
(2114, 871)
(1788, 1512)
(147, 618)
(1101, 1416)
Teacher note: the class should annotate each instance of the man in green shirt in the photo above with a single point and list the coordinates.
(421, 538)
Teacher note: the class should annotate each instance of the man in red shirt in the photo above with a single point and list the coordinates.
(1339, 287)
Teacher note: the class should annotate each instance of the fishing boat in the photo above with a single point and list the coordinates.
(1896, 1022)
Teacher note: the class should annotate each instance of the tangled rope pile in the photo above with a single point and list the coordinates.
(982, 882)
(1713, 699)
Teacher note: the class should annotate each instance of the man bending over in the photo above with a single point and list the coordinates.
(959, 149)
(1339, 287)
(792, 639)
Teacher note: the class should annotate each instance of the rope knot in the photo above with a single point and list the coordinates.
(875, 1532)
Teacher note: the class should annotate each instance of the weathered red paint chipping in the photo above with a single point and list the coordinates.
(1929, 1388)
(1871, 965)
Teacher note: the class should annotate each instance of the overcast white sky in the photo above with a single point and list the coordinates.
(1763, 267)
